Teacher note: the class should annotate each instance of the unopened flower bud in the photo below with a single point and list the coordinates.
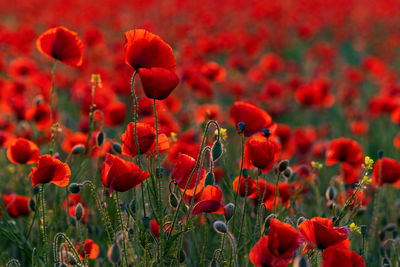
(330, 193)
(241, 126)
(36, 190)
(282, 166)
(114, 254)
(220, 227)
(363, 229)
(173, 201)
(74, 188)
(210, 179)
(181, 256)
(146, 222)
(229, 211)
(78, 211)
(32, 204)
(117, 147)
(216, 150)
(100, 138)
(245, 173)
(300, 220)
(78, 149)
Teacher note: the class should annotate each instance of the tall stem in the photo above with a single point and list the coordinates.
(53, 70)
(276, 190)
(44, 231)
(121, 224)
(240, 177)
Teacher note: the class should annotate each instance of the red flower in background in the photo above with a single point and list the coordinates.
(155, 228)
(344, 150)
(182, 171)
(261, 152)
(72, 201)
(254, 118)
(251, 187)
(23, 151)
(40, 114)
(319, 233)
(210, 201)
(386, 171)
(154, 61)
(334, 256)
(120, 175)
(315, 94)
(278, 247)
(61, 44)
(16, 205)
(114, 114)
(90, 249)
(146, 137)
(49, 169)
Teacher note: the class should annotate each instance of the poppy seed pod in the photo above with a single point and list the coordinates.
(229, 211)
(241, 126)
(74, 188)
(330, 193)
(210, 179)
(216, 150)
(78, 149)
(282, 166)
(220, 227)
(78, 211)
(114, 254)
(117, 147)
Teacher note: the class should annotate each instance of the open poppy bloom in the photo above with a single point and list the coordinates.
(72, 140)
(154, 61)
(319, 233)
(386, 171)
(277, 248)
(61, 44)
(16, 205)
(50, 170)
(210, 201)
(146, 137)
(155, 228)
(90, 250)
(251, 187)
(118, 174)
(254, 118)
(344, 150)
(334, 256)
(23, 151)
(261, 152)
(182, 171)
(40, 114)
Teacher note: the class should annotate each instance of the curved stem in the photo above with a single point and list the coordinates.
(70, 245)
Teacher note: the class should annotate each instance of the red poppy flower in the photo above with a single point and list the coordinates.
(146, 137)
(208, 112)
(277, 248)
(72, 140)
(118, 174)
(40, 114)
(61, 44)
(254, 118)
(90, 249)
(334, 256)
(315, 94)
(210, 201)
(114, 114)
(23, 151)
(304, 138)
(344, 150)
(16, 205)
(153, 59)
(261, 152)
(182, 171)
(155, 228)
(251, 187)
(49, 169)
(319, 233)
(387, 171)
(72, 201)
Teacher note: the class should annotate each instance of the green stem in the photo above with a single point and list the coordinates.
(240, 176)
(44, 231)
(276, 191)
(52, 142)
(91, 125)
(122, 228)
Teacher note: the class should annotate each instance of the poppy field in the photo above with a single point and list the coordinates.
(200, 133)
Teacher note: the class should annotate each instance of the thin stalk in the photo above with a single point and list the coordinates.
(91, 125)
(53, 70)
(122, 228)
(44, 231)
(240, 176)
(276, 191)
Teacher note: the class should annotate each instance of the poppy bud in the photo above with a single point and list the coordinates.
(32, 204)
(78, 149)
(210, 179)
(74, 188)
(173, 201)
(159, 172)
(395, 234)
(216, 150)
(267, 132)
(213, 263)
(181, 256)
(146, 222)
(300, 261)
(363, 229)
(117, 147)
(245, 173)
(283, 165)
(133, 206)
(330, 193)
(300, 220)
(229, 211)
(220, 227)
(382, 235)
(390, 227)
(386, 262)
(78, 211)
(267, 220)
(288, 173)
(241, 126)
(380, 154)
(100, 138)
(114, 254)
(36, 190)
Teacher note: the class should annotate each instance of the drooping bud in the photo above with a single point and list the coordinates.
(330, 193)
(114, 254)
(32, 204)
(245, 173)
(181, 256)
(267, 132)
(220, 227)
(210, 179)
(74, 188)
(229, 211)
(300, 220)
(216, 150)
(363, 229)
(241, 126)
(78, 149)
(282, 166)
(100, 138)
(173, 201)
(213, 263)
